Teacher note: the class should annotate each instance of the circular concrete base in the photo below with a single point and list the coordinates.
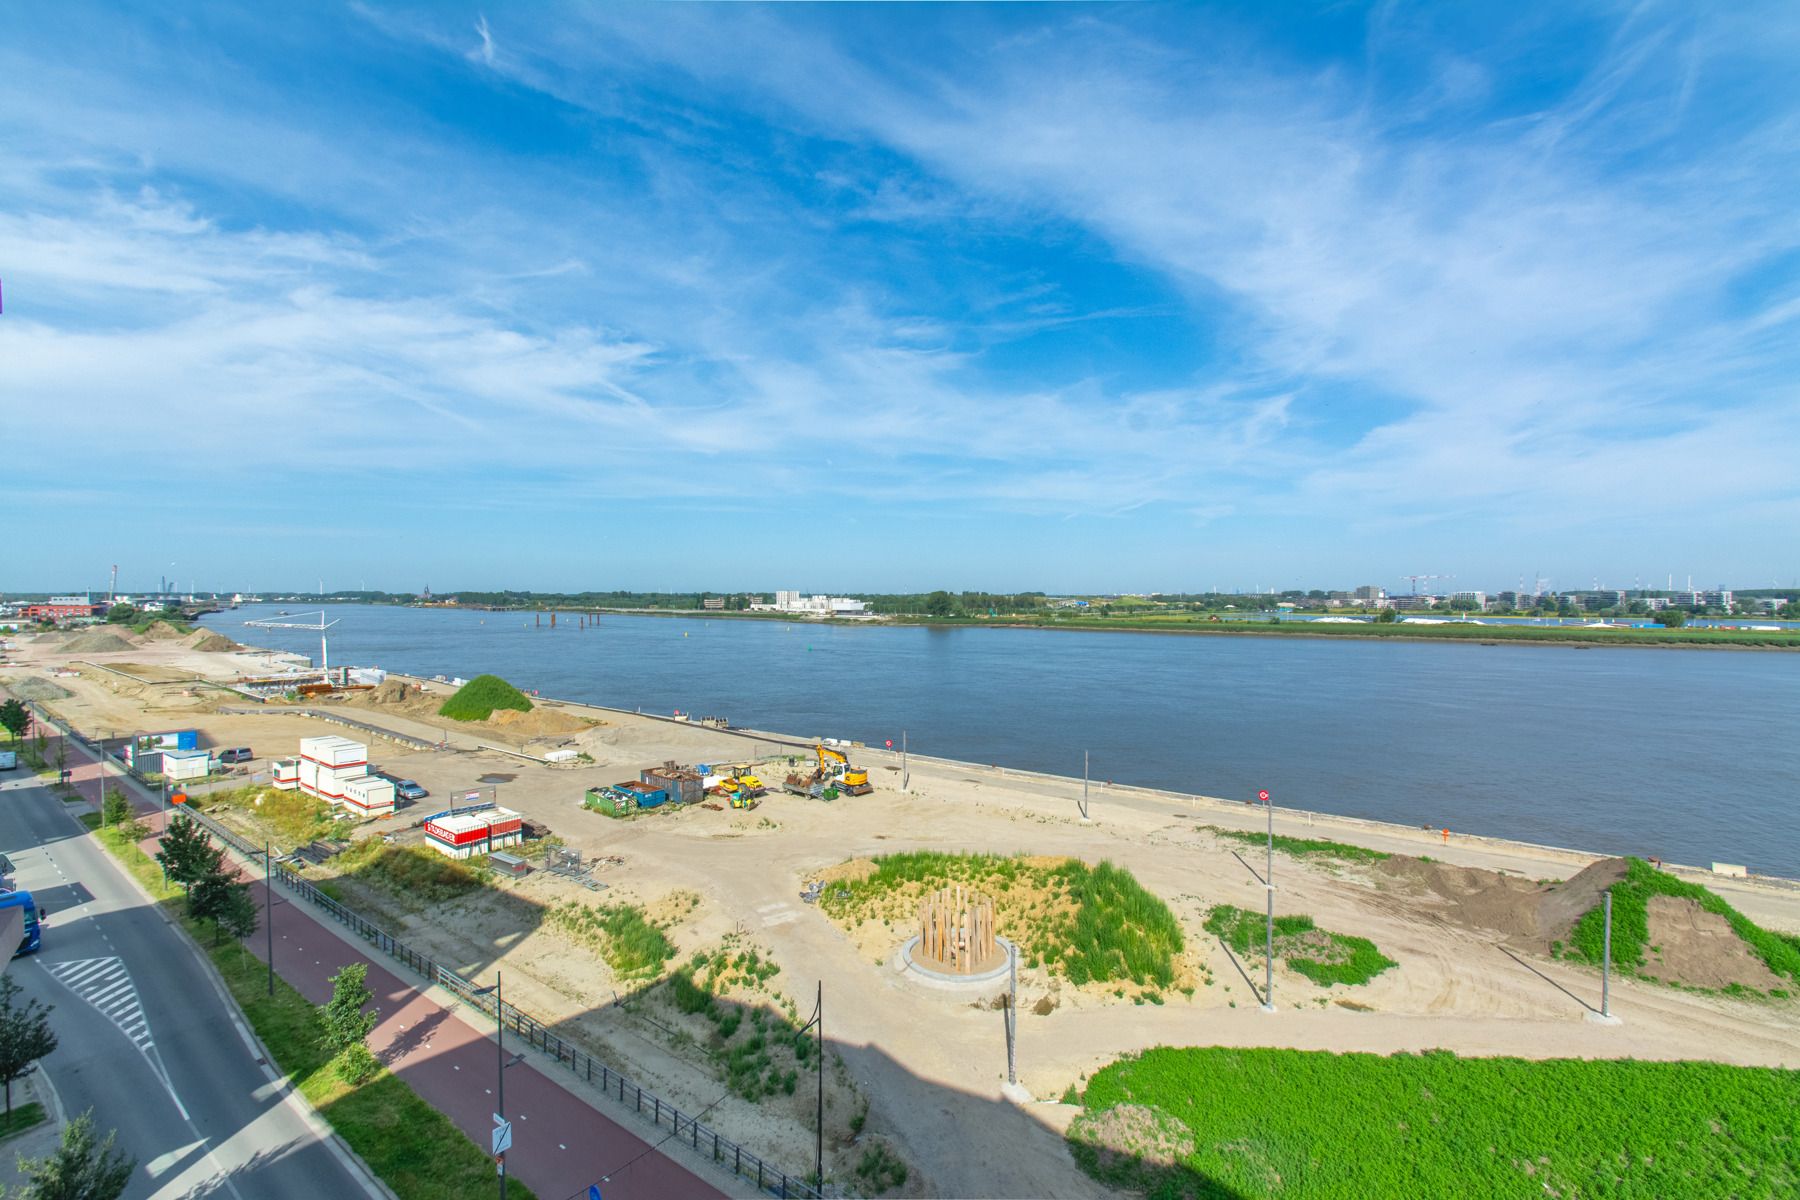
(1602, 1019)
(920, 973)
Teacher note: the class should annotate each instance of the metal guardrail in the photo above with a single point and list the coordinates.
(613, 1084)
(405, 739)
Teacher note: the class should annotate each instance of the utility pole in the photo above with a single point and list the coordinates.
(269, 910)
(1268, 1004)
(818, 1023)
(500, 1074)
(1012, 1014)
(1084, 785)
(904, 777)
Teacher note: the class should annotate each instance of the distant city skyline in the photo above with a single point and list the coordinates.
(1067, 297)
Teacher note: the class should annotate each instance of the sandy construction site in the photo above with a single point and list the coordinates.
(1469, 922)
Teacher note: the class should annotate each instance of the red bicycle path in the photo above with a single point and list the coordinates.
(561, 1143)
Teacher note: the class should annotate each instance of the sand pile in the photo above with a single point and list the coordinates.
(97, 642)
(537, 723)
(162, 631)
(388, 692)
(209, 642)
(1531, 915)
(30, 687)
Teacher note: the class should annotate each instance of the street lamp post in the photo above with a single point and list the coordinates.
(500, 1073)
(1268, 1004)
(269, 910)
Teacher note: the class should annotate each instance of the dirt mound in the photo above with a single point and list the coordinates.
(29, 687)
(162, 631)
(97, 642)
(208, 641)
(1531, 915)
(1689, 945)
(539, 722)
(388, 692)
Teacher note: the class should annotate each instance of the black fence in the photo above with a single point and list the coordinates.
(613, 1084)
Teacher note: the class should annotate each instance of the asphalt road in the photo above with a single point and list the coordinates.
(147, 1040)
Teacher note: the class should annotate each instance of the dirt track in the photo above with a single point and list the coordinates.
(932, 1064)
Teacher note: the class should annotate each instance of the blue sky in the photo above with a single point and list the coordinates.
(1070, 297)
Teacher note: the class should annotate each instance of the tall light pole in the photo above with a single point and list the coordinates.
(1268, 1004)
(500, 1072)
(905, 784)
(818, 1023)
(269, 909)
(1084, 785)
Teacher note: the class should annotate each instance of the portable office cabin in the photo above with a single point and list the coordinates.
(178, 765)
(327, 764)
(369, 796)
(286, 774)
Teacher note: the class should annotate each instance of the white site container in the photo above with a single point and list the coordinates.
(334, 751)
(178, 765)
(286, 774)
(369, 796)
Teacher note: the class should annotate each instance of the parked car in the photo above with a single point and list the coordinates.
(8, 760)
(237, 754)
(406, 789)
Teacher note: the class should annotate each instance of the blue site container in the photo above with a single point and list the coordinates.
(651, 797)
(187, 739)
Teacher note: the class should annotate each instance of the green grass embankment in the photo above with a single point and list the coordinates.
(1780, 952)
(1403, 630)
(481, 697)
(1324, 957)
(410, 1145)
(22, 1117)
(1311, 1125)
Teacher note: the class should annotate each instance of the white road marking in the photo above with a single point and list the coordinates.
(105, 984)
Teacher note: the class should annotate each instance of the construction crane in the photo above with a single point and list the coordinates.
(320, 627)
(1418, 579)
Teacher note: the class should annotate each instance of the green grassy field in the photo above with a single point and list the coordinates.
(1780, 952)
(411, 1145)
(1301, 847)
(1324, 957)
(22, 1117)
(1310, 1125)
(1197, 623)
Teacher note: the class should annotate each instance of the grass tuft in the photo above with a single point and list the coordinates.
(1322, 956)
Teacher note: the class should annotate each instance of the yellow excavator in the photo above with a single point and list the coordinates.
(835, 765)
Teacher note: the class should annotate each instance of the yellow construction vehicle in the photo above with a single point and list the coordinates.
(835, 765)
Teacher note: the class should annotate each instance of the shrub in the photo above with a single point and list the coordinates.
(477, 699)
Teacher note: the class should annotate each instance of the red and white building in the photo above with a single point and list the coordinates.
(468, 833)
(62, 608)
(336, 770)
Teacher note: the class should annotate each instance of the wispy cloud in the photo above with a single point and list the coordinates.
(1432, 293)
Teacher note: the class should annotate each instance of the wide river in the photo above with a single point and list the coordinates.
(1690, 755)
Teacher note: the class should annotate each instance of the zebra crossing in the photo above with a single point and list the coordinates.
(105, 984)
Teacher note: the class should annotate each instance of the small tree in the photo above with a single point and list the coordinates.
(25, 1035)
(342, 1021)
(1386, 616)
(1670, 618)
(219, 897)
(940, 604)
(15, 718)
(186, 853)
(83, 1168)
(117, 809)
